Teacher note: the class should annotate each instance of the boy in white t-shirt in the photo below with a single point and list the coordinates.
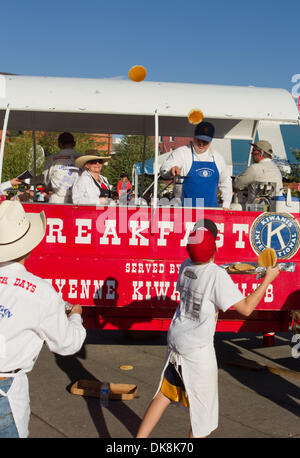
(190, 372)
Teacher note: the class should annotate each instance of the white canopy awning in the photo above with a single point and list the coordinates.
(125, 107)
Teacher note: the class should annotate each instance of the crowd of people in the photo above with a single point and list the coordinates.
(205, 181)
(69, 177)
(204, 174)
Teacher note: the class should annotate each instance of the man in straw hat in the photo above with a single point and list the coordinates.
(204, 170)
(60, 171)
(31, 313)
(262, 170)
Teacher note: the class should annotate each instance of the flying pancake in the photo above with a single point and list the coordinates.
(267, 258)
(195, 116)
(137, 73)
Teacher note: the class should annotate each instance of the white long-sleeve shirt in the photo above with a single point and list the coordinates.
(31, 313)
(85, 191)
(4, 186)
(182, 158)
(60, 173)
(263, 171)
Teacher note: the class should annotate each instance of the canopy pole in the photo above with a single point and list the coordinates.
(136, 186)
(155, 161)
(154, 199)
(34, 152)
(4, 130)
(143, 166)
(253, 140)
(143, 160)
(34, 160)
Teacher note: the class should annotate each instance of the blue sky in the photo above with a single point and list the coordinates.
(194, 41)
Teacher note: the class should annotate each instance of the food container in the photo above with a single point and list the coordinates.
(256, 207)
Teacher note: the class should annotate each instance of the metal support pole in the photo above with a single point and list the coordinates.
(253, 140)
(156, 161)
(34, 152)
(5, 123)
(143, 164)
(154, 199)
(136, 186)
(34, 161)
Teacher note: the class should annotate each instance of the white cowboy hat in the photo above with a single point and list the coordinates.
(82, 160)
(20, 232)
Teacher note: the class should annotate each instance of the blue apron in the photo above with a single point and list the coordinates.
(202, 183)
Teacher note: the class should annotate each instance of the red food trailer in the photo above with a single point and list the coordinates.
(121, 262)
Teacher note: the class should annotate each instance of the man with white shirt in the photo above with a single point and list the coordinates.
(31, 313)
(203, 169)
(262, 170)
(60, 172)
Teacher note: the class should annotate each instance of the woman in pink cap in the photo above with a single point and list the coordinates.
(190, 372)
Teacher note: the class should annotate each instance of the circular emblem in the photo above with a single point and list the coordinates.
(280, 231)
(205, 173)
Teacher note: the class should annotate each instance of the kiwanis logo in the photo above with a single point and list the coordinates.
(279, 231)
(205, 173)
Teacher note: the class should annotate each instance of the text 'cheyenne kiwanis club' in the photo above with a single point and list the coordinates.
(137, 290)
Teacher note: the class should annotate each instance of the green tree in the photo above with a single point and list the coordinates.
(16, 156)
(84, 142)
(294, 175)
(18, 150)
(128, 152)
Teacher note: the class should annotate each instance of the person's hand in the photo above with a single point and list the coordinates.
(272, 273)
(15, 182)
(76, 309)
(175, 171)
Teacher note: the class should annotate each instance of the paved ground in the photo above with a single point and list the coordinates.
(253, 403)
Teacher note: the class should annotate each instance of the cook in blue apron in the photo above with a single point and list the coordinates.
(201, 183)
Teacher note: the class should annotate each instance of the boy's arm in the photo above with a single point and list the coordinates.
(248, 304)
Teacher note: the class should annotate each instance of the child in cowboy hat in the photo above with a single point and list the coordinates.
(190, 372)
(31, 313)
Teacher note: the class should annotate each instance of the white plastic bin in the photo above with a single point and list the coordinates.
(288, 203)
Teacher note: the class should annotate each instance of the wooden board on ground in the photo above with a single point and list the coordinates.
(118, 391)
(259, 366)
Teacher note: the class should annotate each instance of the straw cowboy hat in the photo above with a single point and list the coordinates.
(20, 232)
(91, 155)
(264, 145)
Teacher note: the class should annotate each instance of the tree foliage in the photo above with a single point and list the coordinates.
(18, 150)
(16, 156)
(128, 152)
(84, 142)
(18, 153)
(294, 175)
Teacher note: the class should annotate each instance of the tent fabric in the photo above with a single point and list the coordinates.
(124, 107)
(94, 95)
(149, 164)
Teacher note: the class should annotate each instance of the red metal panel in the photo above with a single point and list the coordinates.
(127, 258)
